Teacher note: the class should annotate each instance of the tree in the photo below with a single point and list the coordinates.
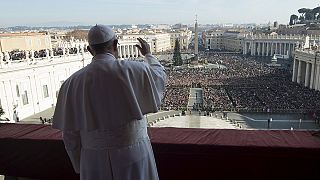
(293, 19)
(306, 13)
(316, 13)
(303, 11)
(177, 60)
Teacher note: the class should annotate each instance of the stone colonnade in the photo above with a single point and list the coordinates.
(306, 69)
(269, 48)
(128, 51)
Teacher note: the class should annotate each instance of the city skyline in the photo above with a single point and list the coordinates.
(36, 12)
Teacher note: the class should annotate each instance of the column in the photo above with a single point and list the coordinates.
(307, 76)
(313, 68)
(127, 51)
(289, 48)
(299, 72)
(245, 48)
(137, 52)
(251, 48)
(124, 51)
(132, 55)
(263, 49)
(268, 49)
(272, 52)
(259, 48)
(119, 52)
(294, 74)
(279, 46)
(317, 83)
(276, 51)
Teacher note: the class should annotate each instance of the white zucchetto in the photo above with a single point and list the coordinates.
(99, 34)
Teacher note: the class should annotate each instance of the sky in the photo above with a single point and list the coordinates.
(88, 12)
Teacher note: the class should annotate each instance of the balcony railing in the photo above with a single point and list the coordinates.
(37, 151)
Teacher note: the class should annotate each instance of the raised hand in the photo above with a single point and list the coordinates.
(144, 48)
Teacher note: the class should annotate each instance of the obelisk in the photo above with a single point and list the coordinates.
(196, 40)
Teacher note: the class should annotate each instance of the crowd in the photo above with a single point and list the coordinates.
(17, 55)
(245, 83)
(175, 98)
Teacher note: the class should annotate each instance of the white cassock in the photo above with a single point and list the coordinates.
(100, 110)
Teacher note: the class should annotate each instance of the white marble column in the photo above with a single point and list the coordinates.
(119, 52)
(299, 72)
(124, 51)
(137, 52)
(263, 48)
(127, 51)
(276, 51)
(247, 47)
(280, 48)
(258, 51)
(251, 48)
(268, 49)
(132, 54)
(307, 76)
(289, 49)
(317, 83)
(244, 48)
(313, 67)
(294, 74)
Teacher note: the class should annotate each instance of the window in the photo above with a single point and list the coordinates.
(25, 99)
(45, 91)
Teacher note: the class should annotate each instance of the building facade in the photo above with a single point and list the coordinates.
(213, 39)
(230, 40)
(306, 68)
(158, 40)
(30, 87)
(24, 41)
(183, 36)
(233, 40)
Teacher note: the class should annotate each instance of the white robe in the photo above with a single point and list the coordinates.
(100, 110)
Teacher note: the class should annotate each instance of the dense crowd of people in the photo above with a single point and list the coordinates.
(17, 55)
(242, 83)
(175, 98)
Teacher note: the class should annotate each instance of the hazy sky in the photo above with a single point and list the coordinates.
(34, 12)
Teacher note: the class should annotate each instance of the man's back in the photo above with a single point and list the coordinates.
(108, 93)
